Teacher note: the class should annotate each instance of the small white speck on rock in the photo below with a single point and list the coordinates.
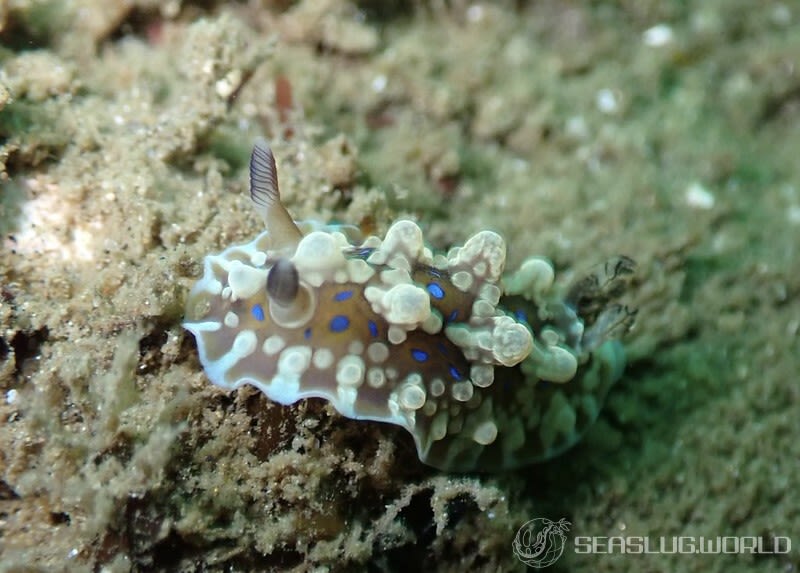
(658, 36)
(698, 197)
(11, 396)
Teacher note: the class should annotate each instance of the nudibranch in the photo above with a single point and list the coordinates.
(485, 370)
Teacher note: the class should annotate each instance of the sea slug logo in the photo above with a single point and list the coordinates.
(540, 542)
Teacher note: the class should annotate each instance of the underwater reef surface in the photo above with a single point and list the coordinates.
(661, 131)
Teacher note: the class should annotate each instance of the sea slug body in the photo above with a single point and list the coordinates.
(486, 370)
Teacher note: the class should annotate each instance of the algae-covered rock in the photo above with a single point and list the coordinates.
(661, 131)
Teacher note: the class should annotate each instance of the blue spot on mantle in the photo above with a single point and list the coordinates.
(373, 328)
(455, 373)
(258, 312)
(343, 295)
(436, 291)
(339, 323)
(419, 355)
